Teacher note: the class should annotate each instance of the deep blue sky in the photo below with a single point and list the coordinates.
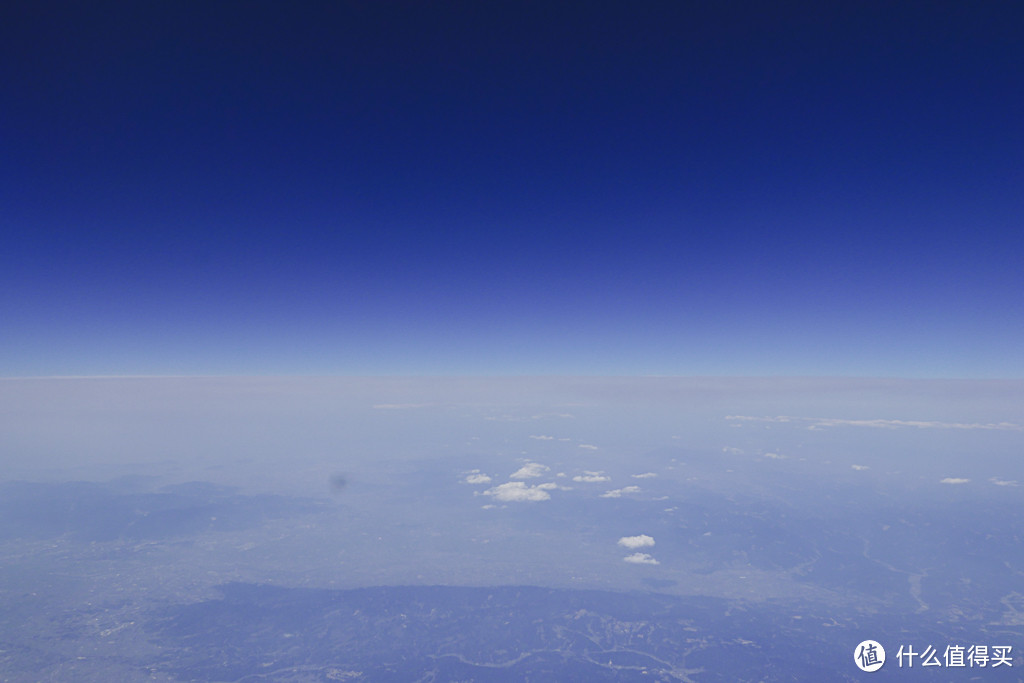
(529, 187)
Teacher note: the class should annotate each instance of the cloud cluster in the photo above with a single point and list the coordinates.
(634, 542)
(640, 558)
(1002, 482)
(518, 492)
(617, 493)
(954, 480)
(645, 475)
(589, 477)
(589, 447)
(477, 477)
(530, 470)
(820, 422)
(541, 437)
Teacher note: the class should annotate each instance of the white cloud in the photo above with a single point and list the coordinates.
(518, 492)
(634, 542)
(588, 446)
(1002, 482)
(477, 478)
(860, 468)
(589, 477)
(640, 558)
(732, 451)
(954, 480)
(645, 475)
(530, 470)
(617, 493)
(541, 437)
(887, 424)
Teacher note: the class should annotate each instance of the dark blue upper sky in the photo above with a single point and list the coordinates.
(485, 187)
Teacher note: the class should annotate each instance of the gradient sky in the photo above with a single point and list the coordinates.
(483, 187)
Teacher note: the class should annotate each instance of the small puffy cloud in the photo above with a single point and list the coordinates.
(530, 470)
(477, 478)
(774, 456)
(634, 542)
(954, 480)
(518, 492)
(617, 493)
(589, 447)
(589, 477)
(640, 558)
(860, 468)
(541, 437)
(1002, 482)
(645, 475)
(732, 451)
